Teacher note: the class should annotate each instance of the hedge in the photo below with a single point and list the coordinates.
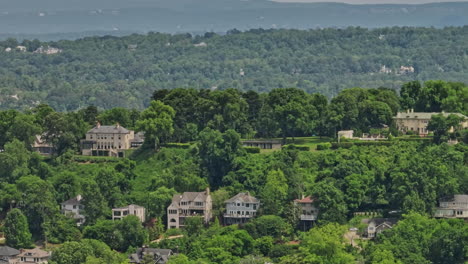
(253, 150)
(324, 146)
(361, 143)
(300, 148)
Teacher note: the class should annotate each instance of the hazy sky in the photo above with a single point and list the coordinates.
(373, 1)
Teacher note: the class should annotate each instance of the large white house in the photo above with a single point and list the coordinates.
(132, 209)
(453, 207)
(241, 208)
(74, 208)
(189, 204)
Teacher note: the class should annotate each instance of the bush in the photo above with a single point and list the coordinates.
(324, 146)
(252, 150)
(296, 147)
(177, 145)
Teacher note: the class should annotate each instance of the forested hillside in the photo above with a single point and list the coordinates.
(123, 71)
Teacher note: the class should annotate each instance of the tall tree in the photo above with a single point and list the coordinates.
(157, 123)
(16, 230)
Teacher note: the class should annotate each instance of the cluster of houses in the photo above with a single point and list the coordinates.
(41, 50)
(10, 255)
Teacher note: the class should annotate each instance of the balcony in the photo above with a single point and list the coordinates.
(238, 216)
(308, 217)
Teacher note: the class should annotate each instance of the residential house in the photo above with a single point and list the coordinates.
(159, 256)
(308, 211)
(262, 144)
(132, 209)
(74, 208)
(108, 141)
(47, 50)
(378, 225)
(189, 204)
(21, 48)
(241, 208)
(42, 147)
(8, 255)
(453, 207)
(418, 121)
(35, 255)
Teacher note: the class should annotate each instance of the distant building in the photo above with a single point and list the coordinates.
(35, 255)
(263, 144)
(418, 121)
(189, 204)
(159, 256)
(406, 69)
(74, 208)
(109, 141)
(132, 47)
(132, 209)
(8, 255)
(42, 147)
(47, 50)
(308, 212)
(21, 48)
(453, 207)
(201, 44)
(378, 225)
(8, 49)
(241, 208)
(346, 134)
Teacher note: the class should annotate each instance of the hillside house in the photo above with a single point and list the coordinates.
(132, 209)
(453, 207)
(109, 141)
(418, 121)
(308, 212)
(262, 144)
(74, 208)
(35, 255)
(42, 147)
(241, 208)
(349, 134)
(159, 256)
(376, 226)
(189, 204)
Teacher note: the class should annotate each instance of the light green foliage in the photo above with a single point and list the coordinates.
(268, 225)
(16, 230)
(179, 259)
(274, 193)
(86, 251)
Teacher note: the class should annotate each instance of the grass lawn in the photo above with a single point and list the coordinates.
(310, 142)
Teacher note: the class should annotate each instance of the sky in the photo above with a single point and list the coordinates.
(373, 1)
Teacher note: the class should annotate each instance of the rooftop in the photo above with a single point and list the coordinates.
(423, 115)
(117, 129)
(8, 251)
(457, 198)
(126, 207)
(189, 197)
(73, 201)
(35, 252)
(243, 197)
(307, 199)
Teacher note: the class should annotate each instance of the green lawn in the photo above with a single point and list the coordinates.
(310, 142)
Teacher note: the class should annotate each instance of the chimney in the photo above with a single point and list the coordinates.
(78, 197)
(117, 125)
(407, 111)
(98, 124)
(207, 190)
(412, 110)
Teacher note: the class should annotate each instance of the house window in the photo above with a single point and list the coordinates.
(199, 203)
(247, 205)
(74, 207)
(255, 207)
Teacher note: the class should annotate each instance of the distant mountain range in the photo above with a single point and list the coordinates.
(71, 18)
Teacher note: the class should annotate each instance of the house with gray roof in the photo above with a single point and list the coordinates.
(109, 141)
(159, 256)
(189, 204)
(74, 208)
(418, 121)
(8, 255)
(240, 209)
(455, 206)
(35, 255)
(376, 226)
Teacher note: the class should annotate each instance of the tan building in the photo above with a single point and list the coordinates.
(189, 204)
(109, 141)
(42, 147)
(35, 255)
(418, 121)
(132, 209)
(262, 144)
(453, 207)
(349, 134)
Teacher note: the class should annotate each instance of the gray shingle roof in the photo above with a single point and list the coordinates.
(8, 251)
(189, 196)
(457, 198)
(423, 115)
(109, 130)
(243, 197)
(73, 201)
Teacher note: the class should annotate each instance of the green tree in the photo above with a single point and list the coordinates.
(16, 230)
(275, 193)
(157, 123)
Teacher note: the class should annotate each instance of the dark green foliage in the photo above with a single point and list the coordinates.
(16, 230)
(177, 145)
(324, 146)
(268, 225)
(300, 148)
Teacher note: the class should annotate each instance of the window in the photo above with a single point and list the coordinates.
(247, 205)
(74, 207)
(199, 203)
(255, 207)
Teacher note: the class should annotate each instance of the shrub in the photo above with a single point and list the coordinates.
(296, 147)
(324, 146)
(253, 150)
(177, 145)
